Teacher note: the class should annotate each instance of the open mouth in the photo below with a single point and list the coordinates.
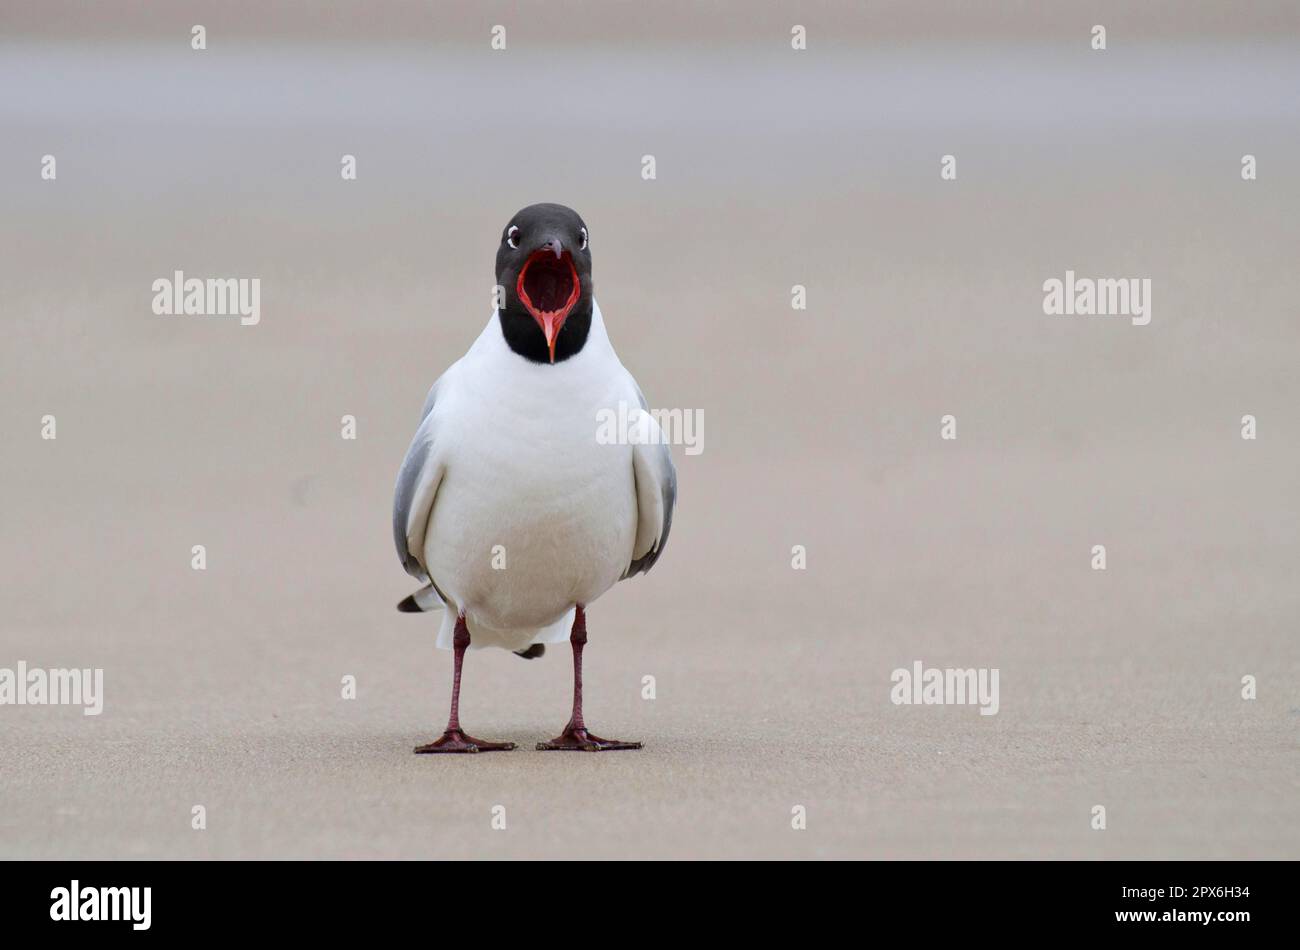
(548, 288)
(548, 284)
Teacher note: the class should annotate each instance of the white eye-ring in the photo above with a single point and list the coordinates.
(582, 238)
(512, 236)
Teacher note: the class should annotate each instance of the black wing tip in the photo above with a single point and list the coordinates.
(646, 561)
(407, 605)
(533, 652)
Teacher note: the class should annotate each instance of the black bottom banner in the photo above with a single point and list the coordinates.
(1171, 900)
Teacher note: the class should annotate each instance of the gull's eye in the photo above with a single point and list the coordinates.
(512, 236)
(582, 238)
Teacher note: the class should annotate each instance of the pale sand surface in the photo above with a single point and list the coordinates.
(821, 428)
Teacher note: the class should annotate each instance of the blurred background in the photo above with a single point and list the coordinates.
(774, 167)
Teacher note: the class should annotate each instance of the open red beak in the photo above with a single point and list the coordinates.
(548, 287)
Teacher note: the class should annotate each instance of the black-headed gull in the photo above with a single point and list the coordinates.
(509, 508)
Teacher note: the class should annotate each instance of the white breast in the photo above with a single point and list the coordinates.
(532, 514)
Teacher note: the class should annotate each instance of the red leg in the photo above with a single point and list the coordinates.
(575, 737)
(455, 739)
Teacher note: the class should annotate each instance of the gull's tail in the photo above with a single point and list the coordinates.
(426, 599)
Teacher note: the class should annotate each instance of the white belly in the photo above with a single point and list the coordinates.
(523, 529)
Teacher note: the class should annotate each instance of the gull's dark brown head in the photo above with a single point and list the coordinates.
(544, 268)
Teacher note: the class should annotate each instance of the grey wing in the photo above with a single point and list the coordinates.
(656, 493)
(417, 484)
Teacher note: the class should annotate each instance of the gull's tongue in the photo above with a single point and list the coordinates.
(550, 326)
